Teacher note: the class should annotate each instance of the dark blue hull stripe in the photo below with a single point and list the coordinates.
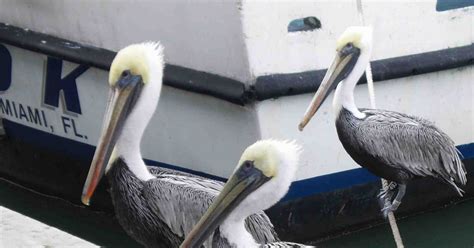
(298, 189)
(74, 149)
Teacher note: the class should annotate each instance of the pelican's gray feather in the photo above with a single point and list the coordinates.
(181, 201)
(159, 212)
(285, 245)
(410, 145)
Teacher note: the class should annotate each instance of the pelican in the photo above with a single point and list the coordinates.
(391, 145)
(262, 177)
(155, 206)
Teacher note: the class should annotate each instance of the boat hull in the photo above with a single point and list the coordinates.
(249, 80)
(319, 216)
(49, 148)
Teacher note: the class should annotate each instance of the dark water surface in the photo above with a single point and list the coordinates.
(452, 226)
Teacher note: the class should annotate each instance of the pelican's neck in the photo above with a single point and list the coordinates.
(128, 144)
(344, 95)
(233, 229)
(128, 148)
(344, 98)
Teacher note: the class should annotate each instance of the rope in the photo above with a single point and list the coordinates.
(370, 83)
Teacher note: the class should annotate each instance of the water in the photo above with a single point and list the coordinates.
(452, 226)
(446, 227)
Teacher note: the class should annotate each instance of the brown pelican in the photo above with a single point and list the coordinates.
(155, 206)
(262, 177)
(392, 145)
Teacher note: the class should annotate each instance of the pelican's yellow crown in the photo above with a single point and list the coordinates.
(355, 35)
(266, 155)
(136, 59)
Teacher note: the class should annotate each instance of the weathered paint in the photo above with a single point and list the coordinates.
(205, 36)
(206, 135)
(245, 39)
(194, 131)
(447, 104)
(399, 29)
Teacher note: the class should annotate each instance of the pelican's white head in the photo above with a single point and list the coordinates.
(359, 36)
(135, 80)
(263, 176)
(353, 50)
(143, 60)
(277, 162)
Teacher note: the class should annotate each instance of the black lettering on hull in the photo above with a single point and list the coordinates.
(23, 112)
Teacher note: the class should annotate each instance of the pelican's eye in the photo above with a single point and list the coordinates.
(245, 169)
(248, 165)
(125, 73)
(349, 48)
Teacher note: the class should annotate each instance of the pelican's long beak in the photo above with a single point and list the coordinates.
(243, 182)
(122, 98)
(340, 68)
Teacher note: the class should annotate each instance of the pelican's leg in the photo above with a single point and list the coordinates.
(387, 194)
(391, 207)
